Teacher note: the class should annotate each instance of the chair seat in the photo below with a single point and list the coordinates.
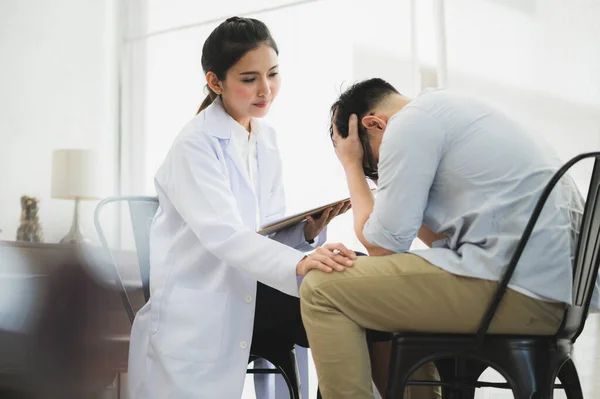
(495, 349)
(460, 362)
(465, 342)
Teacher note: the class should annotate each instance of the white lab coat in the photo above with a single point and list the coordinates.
(192, 339)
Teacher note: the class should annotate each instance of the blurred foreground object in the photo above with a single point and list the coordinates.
(71, 357)
(55, 328)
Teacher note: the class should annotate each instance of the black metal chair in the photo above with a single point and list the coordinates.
(142, 210)
(285, 364)
(530, 364)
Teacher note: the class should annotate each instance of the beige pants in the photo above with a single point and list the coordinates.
(401, 292)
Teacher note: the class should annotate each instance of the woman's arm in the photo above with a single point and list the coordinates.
(196, 183)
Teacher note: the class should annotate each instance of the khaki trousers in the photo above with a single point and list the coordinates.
(401, 292)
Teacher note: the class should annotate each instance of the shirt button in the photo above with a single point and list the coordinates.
(243, 344)
(248, 298)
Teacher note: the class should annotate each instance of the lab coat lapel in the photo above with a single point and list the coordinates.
(222, 126)
(234, 157)
(245, 196)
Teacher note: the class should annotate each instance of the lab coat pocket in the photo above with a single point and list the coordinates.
(191, 325)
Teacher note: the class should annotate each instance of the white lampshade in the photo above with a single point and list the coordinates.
(75, 174)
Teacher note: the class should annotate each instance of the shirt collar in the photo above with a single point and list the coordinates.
(220, 124)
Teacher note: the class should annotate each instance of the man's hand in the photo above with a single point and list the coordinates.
(326, 258)
(314, 226)
(349, 150)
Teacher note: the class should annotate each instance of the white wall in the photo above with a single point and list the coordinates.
(57, 90)
(165, 15)
(538, 60)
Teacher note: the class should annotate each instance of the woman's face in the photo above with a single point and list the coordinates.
(251, 85)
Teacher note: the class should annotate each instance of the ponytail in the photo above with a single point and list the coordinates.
(208, 100)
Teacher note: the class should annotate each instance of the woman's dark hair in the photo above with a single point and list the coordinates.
(229, 42)
(360, 99)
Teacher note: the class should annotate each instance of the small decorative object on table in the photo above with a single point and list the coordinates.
(30, 229)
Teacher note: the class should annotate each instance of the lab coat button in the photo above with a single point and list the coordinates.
(248, 298)
(243, 344)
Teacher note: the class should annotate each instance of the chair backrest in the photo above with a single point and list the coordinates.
(141, 210)
(586, 263)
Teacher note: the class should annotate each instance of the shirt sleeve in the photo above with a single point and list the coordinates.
(294, 237)
(410, 153)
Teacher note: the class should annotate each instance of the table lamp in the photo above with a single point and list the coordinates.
(75, 177)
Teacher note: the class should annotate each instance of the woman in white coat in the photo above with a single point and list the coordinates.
(219, 182)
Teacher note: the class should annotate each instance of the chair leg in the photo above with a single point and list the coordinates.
(529, 376)
(461, 371)
(402, 364)
(448, 372)
(570, 379)
(293, 374)
(469, 372)
(287, 364)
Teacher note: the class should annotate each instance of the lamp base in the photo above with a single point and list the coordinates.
(74, 239)
(75, 235)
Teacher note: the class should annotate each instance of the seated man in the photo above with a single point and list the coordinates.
(465, 179)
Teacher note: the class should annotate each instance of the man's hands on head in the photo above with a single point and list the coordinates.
(349, 150)
(327, 258)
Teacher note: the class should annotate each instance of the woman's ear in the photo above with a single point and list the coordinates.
(373, 122)
(214, 83)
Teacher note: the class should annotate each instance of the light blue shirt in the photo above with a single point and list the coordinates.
(467, 171)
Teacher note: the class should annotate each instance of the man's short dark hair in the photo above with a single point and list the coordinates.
(360, 99)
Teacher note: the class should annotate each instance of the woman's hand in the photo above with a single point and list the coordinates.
(314, 226)
(326, 258)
